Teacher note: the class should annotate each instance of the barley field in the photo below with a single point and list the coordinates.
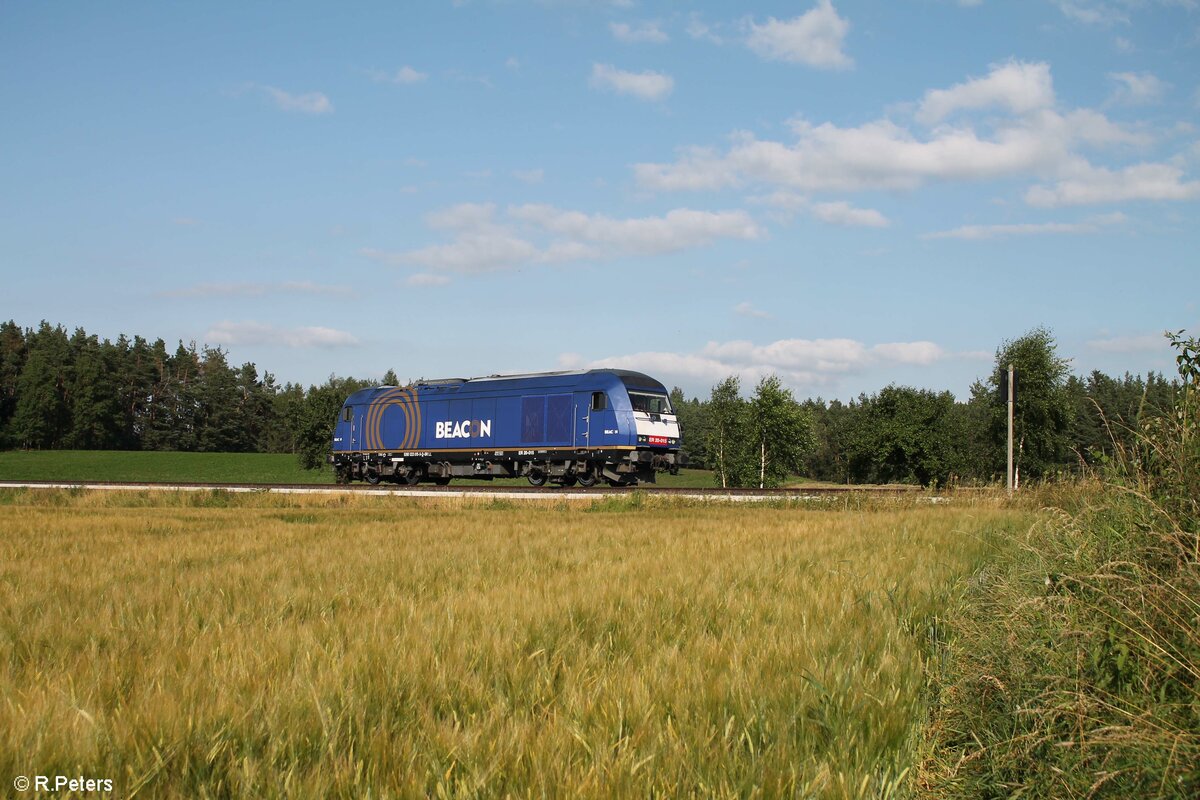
(217, 645)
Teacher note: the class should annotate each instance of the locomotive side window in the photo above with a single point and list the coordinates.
(347, 412)
(599, 401)
(650, 403)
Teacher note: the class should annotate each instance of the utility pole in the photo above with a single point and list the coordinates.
(1011, 398)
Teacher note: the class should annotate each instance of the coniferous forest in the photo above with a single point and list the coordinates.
(61, 390)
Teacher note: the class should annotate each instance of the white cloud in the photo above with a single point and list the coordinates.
(640, 33)
(920, 353)
(1090, 12)
(426, 279)
(541, 234)
(1018, 87)
(1111, 12)
(835, 213)
(461, 216)
(800, 362)
(876, 155)
(814, 38)
(1136, 88)
(256, 289)
(747, 309)
(1028, 140)
(529, 175)
(308, 103)
(678, 229)
(1137, 343)
(406, 75)
(977, 232)
(842, 213)
(1086, 184)
(259, 333)
(647, 85)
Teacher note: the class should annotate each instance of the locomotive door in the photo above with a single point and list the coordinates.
(355, 431)
(589, 414)
(582, 424)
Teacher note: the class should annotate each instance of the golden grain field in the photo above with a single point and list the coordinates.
(213, 645)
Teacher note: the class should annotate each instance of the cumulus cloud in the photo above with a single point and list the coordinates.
(307, 103)
(842, 213)
(678, 229)
(1090, 12)
(747, 309)
(1111, 12)
(801, 362)
(835, 213)
(541, 234)
(1029, 138)
(1087, 184)
(1017, 87)
(876, 155)
(814, 38)
(1136, 88)
(977, 232)
(404, 76)
(639, 33)
(426, 279)
(259, 333)
(646, 85)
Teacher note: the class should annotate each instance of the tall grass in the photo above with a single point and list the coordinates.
(263, 646)
(1075, 667)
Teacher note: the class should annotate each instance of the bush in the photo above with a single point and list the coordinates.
(1074, 668)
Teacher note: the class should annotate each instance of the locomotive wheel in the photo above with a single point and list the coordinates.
(587, 479)
(371, 476)
(442, 481)
(412, 478)
(536, 478)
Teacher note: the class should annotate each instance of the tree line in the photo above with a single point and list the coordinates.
(60, 390)
(76, 391)
(1064, 424)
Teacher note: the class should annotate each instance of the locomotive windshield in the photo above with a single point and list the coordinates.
(650, 403)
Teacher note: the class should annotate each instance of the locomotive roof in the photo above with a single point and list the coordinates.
(628, 377)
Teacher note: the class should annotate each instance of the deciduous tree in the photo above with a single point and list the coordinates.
(725, 416)
(780, 433)
(1042, 413)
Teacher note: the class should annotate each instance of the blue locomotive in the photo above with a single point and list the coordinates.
(553, 427)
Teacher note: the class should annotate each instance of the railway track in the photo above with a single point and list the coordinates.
(481, 491)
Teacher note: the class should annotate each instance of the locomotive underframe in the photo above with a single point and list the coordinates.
(618, 467)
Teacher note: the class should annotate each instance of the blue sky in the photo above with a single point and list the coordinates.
(848, 194)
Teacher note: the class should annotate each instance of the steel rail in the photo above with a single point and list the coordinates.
(465, 487)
